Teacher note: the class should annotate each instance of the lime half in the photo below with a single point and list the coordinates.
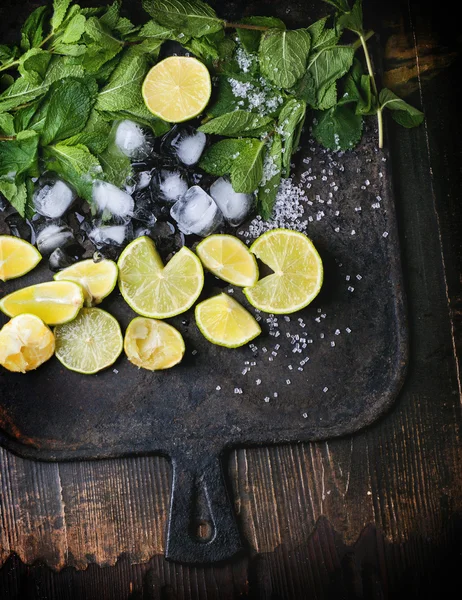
(298, 272)
(153, 290)
(177, 89)
(229, 259)
(17, 257)
(223, 321)
(153, 345)
(90, 343)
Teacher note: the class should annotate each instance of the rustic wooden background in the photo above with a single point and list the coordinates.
(372, 516)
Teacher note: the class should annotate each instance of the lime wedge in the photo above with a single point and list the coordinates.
(25, 344)
(54, 302)
(17, 257)
(153, 345)
(298, 272)
(97, 279)
(229, 259)
(153, 290)
(90, 343)
(177, 89)
(223, 321)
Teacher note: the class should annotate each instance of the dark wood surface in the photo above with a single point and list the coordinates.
(376, 515)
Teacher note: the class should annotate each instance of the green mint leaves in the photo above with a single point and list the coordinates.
(283, 55)
(239, 122)
(192, 17)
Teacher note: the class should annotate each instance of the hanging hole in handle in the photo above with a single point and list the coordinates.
(204, 531)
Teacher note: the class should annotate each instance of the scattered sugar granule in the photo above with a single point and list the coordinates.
(258, 381)
(337, 332)
(267, 399)
(326, 389)
(305, 415)
(115, 371)
(385, 234)
(218, 388)
(359, 277)
(332, 344)
(275, 394)
(351, 288)
(348, 330)
(194, 352)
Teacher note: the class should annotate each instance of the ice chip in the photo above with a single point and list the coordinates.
(52, 200)
(185, 143)
(235, 207)
(196, 213)
(171, 184)
(131, 140)
(20, 227)
(110, 199)
(52, 236)
(108, 234)
(61, 259)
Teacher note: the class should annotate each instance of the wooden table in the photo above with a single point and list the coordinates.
(375, 515)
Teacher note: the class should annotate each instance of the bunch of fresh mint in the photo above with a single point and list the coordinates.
(77, 70)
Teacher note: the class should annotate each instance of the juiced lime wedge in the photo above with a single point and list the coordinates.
(177, 89)
(229, 259)
(153, 290)
(153, 345)
(223, 321)
(54, 302)
(25, 344)
(90, 343)
(298, 272)
(97, 279)
(17, 257)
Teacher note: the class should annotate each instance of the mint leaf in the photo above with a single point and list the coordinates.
(191, 17)
(159, 32)
(340, 5)
(338, 128)
(69, 49)
(95, 134)
(352, 19)
(74, 30)
(247, 168)
(102, 46)
(283, 55)
(15, 192)
(358, 89)
(32, 30)
(7, 124)
(7, 54)
(62, 67)
(251, 39)
(21, 92)
(23, 116)
(272, 175)
(68, 111)
(112, 15)
(322, 37)
(402, 112)
(124, 88)
(325, 68)
(75, 164)
(116, 166)
(203, 49)
(19, 155)
(59, 13)
(237, 123)
(219, 158)
(33, 65)
(291, 120)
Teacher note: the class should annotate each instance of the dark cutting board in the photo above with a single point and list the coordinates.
(354, 334)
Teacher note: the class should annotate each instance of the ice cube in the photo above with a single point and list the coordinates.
(20, 227)
(131, 140)
(111, 200)
(53, 199)
(235, 207)
(52, 236)
(108, 234)
(197, 213)
(185, 143)
(61, 259)
(3, 203)
(171, 184)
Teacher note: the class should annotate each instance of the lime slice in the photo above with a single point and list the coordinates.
(97, 279)
(177, 89)
(153, 345)
(25, 344)
(229, 259)
(224, 322)
(17, 257)
(153, 290)
(90, 343)
(298, 272)
(54, 302)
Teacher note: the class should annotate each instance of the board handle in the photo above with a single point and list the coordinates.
(201, 525)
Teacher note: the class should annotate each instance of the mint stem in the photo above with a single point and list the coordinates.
(9, 65)
(367, 36)
(7, 138)
(244, 26)
(362, 38)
